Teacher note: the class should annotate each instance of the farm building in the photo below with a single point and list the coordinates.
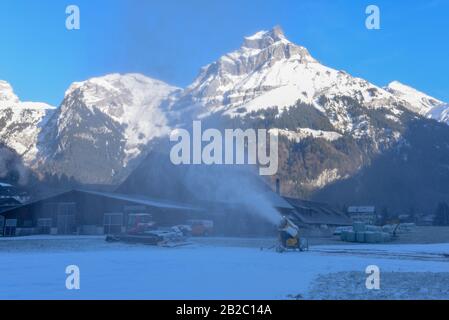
(93, 213)
(90, 213)
(236, 201)
(235, 197)
(317, 218)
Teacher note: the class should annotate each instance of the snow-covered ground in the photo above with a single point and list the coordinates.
(394, 286)
(33, 268)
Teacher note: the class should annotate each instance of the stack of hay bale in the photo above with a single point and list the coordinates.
(365, 234)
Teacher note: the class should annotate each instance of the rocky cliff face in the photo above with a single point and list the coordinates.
(21, 122)
(103, 127)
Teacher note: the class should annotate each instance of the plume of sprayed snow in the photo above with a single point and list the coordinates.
(238, 185)
(233, 185)
(262, 206)
(9, 163)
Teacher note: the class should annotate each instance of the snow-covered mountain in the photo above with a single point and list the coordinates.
(420, 102)
(106, 125)
(103, 125)
(21, 122)
(416, 101)
(440, 113)
(314, 103)
(269, 70)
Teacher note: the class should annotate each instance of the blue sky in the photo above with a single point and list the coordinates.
(171, 39)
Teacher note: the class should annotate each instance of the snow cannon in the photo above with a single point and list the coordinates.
(289, 237)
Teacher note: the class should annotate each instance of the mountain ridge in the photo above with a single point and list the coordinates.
(106, 125)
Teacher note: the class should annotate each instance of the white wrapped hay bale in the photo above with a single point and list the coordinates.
(407, 227)
(386, 237)
(360, 237)
(388, 228)
(378, 237)
(359, 227)
(372, 237)
(350, 236)
(371, 228)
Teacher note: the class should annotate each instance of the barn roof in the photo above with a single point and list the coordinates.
(310, 212)
(141, 200)
(7, 203)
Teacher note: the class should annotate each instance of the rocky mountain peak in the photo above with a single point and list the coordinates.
(264, 39)
(7, 93)
(272, 45)
(266, 61)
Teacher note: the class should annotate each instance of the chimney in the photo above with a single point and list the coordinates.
(278, 186)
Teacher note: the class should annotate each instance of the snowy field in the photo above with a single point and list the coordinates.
(34, 268)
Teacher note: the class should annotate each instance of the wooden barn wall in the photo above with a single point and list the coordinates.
(90, 210)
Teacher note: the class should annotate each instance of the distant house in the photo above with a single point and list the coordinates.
(365, 214)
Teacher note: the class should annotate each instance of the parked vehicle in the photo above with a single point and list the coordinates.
(139, 223)
(141, 229)
(201, 228)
